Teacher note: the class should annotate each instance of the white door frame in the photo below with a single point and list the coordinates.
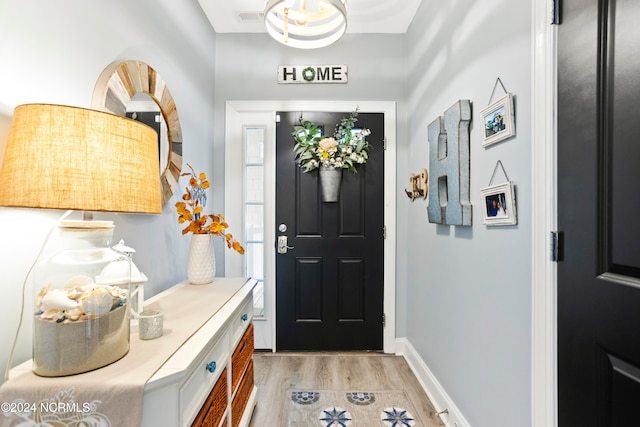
(242, 113)
(544, 382)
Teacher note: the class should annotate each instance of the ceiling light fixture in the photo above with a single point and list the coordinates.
(306, 24)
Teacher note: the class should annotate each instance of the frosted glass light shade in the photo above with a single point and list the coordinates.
(62, 157)
(306, 24)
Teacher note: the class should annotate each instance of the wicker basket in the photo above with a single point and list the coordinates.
(215, 406)
(241, 357)
(242, 396)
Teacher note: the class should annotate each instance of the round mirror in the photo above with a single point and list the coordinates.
(125, 85)
(145, 110)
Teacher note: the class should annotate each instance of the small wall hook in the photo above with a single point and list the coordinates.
(410, 194)
(419, 184)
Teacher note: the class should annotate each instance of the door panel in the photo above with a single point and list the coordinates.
(598, 212)
(351, 290)
(329, 286)
(308, 207)
(308, 297)
(623, 391)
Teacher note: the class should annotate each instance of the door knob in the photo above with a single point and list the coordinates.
(282, 244)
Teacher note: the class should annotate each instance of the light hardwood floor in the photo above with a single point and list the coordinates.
(277, 372)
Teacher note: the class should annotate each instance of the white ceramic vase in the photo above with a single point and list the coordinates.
(330, 180)
(202, 261)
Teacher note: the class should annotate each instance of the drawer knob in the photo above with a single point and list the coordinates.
(245, 317)
(211, 367)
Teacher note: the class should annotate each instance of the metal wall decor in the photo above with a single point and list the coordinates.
(449, 165)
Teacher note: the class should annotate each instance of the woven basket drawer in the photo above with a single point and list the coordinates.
(215, 406)
(242, 396)
(241, 357)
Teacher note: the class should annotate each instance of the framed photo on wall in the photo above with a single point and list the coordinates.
(498, 121)
(499, 204)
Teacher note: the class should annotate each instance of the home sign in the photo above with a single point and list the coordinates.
(312, 74)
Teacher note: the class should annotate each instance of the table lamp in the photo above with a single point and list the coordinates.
(62, 157)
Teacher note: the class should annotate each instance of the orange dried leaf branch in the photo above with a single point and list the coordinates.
(190, 211)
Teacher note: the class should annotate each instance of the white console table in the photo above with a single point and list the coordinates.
(211, 376)
(199, 373)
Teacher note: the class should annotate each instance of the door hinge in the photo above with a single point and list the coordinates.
(384, 320)
(384, 232)
(555, 12)
(554, 249)
(384, 143)
(277, 118)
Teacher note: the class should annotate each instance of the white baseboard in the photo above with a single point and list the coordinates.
(452, 417)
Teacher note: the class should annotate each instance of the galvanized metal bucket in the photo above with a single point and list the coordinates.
(330, 180)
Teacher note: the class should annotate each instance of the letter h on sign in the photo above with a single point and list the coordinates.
(449, 166)
(288, 73)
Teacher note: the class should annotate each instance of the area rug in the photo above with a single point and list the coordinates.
(355, 408)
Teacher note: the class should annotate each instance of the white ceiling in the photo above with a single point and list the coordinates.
(363, 16)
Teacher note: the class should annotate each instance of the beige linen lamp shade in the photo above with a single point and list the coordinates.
(61, 157)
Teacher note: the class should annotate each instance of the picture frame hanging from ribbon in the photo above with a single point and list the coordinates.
(498, 118)
(499, 201)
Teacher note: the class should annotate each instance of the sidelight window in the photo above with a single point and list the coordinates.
(253, 201)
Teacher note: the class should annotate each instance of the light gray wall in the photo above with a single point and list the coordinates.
(469, 288)
(53, 52)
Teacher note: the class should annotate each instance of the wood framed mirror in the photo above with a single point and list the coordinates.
(117, 85)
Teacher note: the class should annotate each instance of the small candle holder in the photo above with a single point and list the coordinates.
(150, 324)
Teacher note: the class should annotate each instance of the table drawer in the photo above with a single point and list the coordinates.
(207, 370)
(241, 319)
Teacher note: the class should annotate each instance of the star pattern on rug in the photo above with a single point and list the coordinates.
(336, 416)
(397, 417)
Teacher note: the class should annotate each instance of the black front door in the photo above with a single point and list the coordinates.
(599, 213)
(329, 286)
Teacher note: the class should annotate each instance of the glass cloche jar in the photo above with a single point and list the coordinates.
(80, 323)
